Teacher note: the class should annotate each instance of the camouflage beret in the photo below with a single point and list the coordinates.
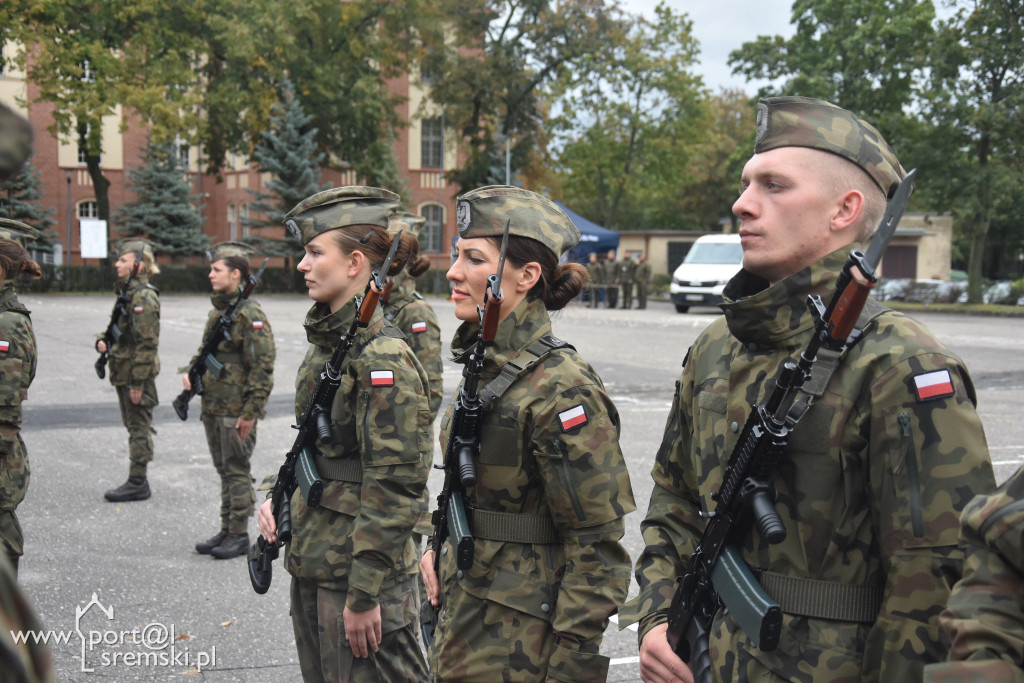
(483, 212)
(134, 245)
(340, 207)
(16, 231)
(15, 142)
(410, 222)
(806, 122)
(230, 249)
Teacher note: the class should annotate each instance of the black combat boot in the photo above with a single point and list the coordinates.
(136, 488)
(204, 547)
(233, 545)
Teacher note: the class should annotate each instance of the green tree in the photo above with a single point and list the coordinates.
(19, 199)
(975, 107)
(164, 210)
(286, 151)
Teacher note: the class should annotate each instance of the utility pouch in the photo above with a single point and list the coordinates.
(310, 483)
(214, 367)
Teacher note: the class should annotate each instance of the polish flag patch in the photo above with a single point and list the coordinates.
(573, 418)
(419, 327)
(138, 309)
(382, 378)
(937, 384)
(257, 324)
(5, 346)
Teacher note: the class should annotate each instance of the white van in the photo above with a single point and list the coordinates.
(701, 277)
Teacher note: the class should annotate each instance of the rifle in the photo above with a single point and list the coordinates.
(299, 470)
(206, 360)
(449, 519)
(718, 576)
(113, 332)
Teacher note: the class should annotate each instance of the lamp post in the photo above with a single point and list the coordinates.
(68, 178)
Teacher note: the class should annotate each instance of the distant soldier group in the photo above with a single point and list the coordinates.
(607, 277)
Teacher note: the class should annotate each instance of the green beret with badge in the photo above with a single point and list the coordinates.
(16, 231)
(341, 207)
(816, 124)
(230, 250)
(411, 223)
(134, 245)
(483, 212)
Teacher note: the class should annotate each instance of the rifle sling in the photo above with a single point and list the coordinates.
(520, 365)
(827, 361)
(822, 599)
(348, 469)
(513, 527)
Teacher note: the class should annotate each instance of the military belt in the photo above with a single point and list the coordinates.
(822, 599)
(348, 469)
(513, 527)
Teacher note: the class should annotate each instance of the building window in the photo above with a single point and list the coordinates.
(245, 219)
(431, 144)
(433, 229)
(182, 148)
(88, 209)
(88, 75)
(82, 147)
(232, 222)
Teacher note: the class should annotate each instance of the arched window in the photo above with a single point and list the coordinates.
(88, 209)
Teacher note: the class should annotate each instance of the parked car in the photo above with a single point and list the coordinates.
(701, 277)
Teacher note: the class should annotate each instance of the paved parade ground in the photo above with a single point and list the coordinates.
(120, 585)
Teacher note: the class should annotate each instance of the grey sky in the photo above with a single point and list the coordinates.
(722, 27)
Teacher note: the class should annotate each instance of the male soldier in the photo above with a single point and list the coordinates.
(236, 397)
(642, 279)
(596, 273)
(134, 363)
(610, 279)
(627, 271)
(875, 474)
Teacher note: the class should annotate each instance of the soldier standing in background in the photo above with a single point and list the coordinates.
(550, 473)
(352, 559)
(134, 364)
(627, 272)
(232, 403)
(17, 370)
(611, 276)
(874, 476)
(642, 279)
(596, 275)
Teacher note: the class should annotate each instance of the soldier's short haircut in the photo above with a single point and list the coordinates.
(841, 176)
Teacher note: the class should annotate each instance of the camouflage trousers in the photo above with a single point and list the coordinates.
(14, 478)
(139, 421)
(324, 652)
(231, 458)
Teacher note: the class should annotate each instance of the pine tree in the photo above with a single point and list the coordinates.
(18, 197)
(165, 206)
(287, 151)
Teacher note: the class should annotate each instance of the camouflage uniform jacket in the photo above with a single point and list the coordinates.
(248, 356)
(596, 272)
(359, 539)
(407, 311)
(985, 614)
(17, 370)
(551, 446)
(870, 487)
(643, 272)
(134, 359)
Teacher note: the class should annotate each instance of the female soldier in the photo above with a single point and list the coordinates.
(17, 370)
(550, 473)
(352, 559)
(134, 363)
(234, 401)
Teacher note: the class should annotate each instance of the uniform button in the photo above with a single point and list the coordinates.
(444, 550)
(752, 346)
(734, 427)
(459, 573)
(545, 608)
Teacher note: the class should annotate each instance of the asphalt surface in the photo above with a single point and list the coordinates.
(121, 586)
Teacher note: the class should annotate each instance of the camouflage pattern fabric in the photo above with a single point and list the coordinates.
(985, 614)
(407, 311)
(231, 458)
(249, 370)
(527, 612)
(17, 370)
(18, 232)
(483, 212)
(339, 207)
(595, 272)
(806, 122)
(358, 539)
(134, 364)
(626, 273)
(869, 489)
(642, 279)
(27, 661)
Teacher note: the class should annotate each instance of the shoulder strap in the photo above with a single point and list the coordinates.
(828, 360)
(520, 365)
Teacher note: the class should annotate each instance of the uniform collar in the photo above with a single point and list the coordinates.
(526, 323)
(221, 300)
(323, 327)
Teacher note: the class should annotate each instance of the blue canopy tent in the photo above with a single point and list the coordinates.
(593, 238)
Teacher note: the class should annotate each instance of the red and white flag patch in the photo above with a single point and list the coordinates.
(573, 418)
(5, 346)
(419, 327)
(257, 324)
(138, 309)
(382, 378)
(936, 384)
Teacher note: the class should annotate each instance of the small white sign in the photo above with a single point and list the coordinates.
(93, 235)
